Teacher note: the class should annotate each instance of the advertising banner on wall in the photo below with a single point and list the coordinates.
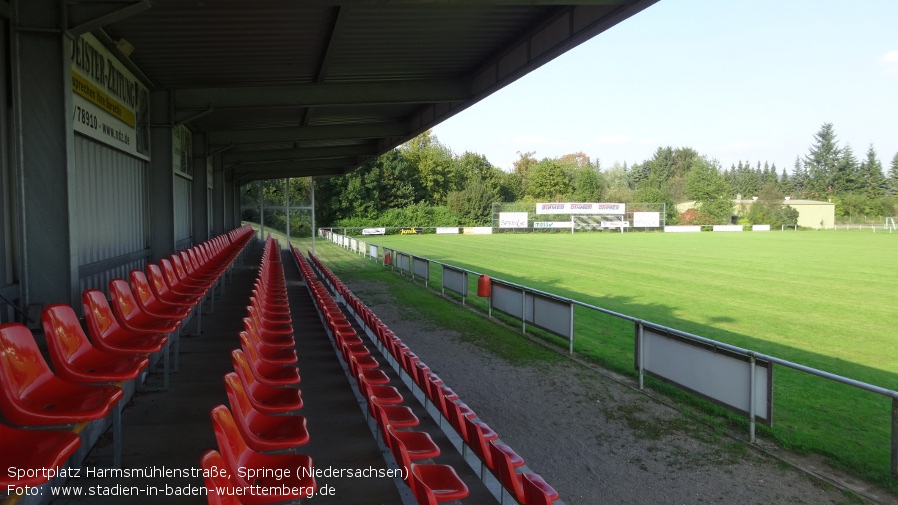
(580, 208)
(646, 219)
(110, 104)
(513, 219)
(374, 231)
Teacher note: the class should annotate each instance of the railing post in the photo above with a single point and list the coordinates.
(571, 346)
(639, 358)
(751, 398)
(894, 437)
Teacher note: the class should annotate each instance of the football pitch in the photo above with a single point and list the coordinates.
(827, 300)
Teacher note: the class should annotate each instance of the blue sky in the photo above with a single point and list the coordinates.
(733, 79)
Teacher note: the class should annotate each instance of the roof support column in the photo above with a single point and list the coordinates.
(200, 198)
(162, 201)
(43, 140)
(219, 209)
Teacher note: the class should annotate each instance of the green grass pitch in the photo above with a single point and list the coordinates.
(828, 300)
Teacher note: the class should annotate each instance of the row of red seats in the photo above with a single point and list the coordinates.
(430, 483)
(527, 488)
(262, 432)
(86, 381)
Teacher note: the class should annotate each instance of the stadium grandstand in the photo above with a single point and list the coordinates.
(152, 348)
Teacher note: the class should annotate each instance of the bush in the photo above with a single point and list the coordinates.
(693, 217)
(419, 214)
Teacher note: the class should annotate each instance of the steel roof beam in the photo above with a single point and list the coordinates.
(270, 135)
(321, 95)
(102, 15)
(303, 153)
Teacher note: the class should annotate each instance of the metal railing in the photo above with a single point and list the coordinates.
(367, 248)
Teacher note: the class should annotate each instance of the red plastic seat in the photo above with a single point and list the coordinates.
(33, 450)
(288, 472)
(505, 460)
(271, 307)
(266, 399)
(33, 395)
(267, 338)
(267, 373)
(150, 303)
(278, 355)
(268, 327)
(219, 488)
(479, 436)
(199, 282)
(371, 375)
(432, 484)
(163, 292)
(420, 374)
(193, 270)
(131, 317)
(537, 491)
(417, 444)
(75, 359)
(385, 395)
(399, 416)
(108, 335)
(264, 433)
(176, 285)
(455, 412)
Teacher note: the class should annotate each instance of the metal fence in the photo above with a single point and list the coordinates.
(735, 378)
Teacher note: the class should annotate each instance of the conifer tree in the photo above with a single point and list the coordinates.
(820, 162)
(893, 176)
(871, 177)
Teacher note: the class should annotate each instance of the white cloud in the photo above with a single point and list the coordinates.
(621, 138)
(890, 62)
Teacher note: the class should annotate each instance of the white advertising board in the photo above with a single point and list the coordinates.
(374, 231)
(727, 227)
(760, 227)
(646, 219)
(447, 231)
(553, 224)
(615, 224)
(513, 219)
(478, 230)
(581, 208)
(716, 374)
(682, 229)
(109, 104)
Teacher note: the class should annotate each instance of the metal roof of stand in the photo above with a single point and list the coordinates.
(289, 88)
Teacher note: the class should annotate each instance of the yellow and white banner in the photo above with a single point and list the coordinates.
(110, 104)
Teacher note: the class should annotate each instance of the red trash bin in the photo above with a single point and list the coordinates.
(483, 286)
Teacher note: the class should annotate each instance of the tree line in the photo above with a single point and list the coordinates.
(424, 183)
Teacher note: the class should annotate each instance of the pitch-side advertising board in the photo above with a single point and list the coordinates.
(581, 208)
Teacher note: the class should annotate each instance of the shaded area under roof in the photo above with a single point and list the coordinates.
(290, 89)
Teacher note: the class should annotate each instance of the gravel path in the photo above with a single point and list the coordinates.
(594, 439)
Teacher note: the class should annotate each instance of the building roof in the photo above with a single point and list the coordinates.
(788, 202)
